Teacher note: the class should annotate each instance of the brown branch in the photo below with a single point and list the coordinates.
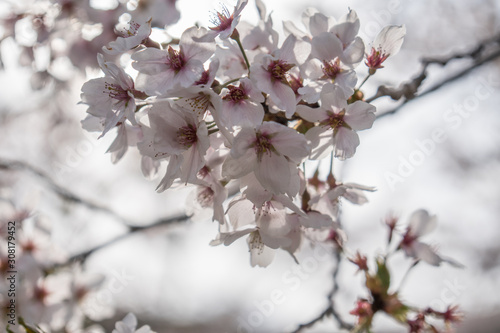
(480, 55)
(81, 257)
(67, 195)
(63, 193)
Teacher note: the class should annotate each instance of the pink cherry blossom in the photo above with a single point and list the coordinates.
(272, 151)
(337, 124)
(131, 37)
(177, 136)
(421, 223)
(129, 325)
(224, 23)
(241, 106)
(387, 43)
(326, 64)
(110, 98)
(346, 29)
(163, 70)
(266, 226)
(270, 73)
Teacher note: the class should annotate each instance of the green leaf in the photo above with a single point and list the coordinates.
(383, 275)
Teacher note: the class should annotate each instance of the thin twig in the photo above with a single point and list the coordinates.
(131, 230)
(63, 193)
(69, 196)
(409, 91)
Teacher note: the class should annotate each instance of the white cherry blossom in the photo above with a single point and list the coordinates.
(129, 37)
(110, 98)
(337, 124)
(163, 70)
(272, 151)
(129, 325)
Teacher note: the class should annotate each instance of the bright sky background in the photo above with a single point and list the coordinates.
(180, 278)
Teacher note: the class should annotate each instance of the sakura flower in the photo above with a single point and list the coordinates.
(261, 36)
(241, 106)
(270, 73)
(127, 136)
(41, 301)
(210, 191)
(129, 324)
(350, 191)
(314, 22)
(110, 98)
(266, 226)
(83, 291)
(421, 223)
(346, 29)
(272, 151)
(225, 23)
(178, 136)
(326, 65)
(387, 43)
(130, 37)
(162, 70)
(338, 123)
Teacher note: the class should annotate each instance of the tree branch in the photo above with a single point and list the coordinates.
(480, 55)
(131, 230)
(63, 193)
(71, 197)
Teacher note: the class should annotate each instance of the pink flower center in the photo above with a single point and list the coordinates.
(29, 246)
(205, 197)
(335, 120)
(175, 59)
(222, 20)
(40, 293)
(80, 292)
(131, 31)
(186, 136)
(115, 91)
(204, 172)
(332, 68)
(262, 145)
(203, 79)
(295, 83)
(408, 239)
(279, 69)
(235, 94)
(375, 59)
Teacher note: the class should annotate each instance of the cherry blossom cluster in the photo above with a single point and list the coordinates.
(49, 291)
(233, 106)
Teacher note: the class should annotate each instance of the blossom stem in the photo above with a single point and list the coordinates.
(153, 101)
(362, 83)
(236, 37)
(406, 275)
(331, 162)
(222, 86)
